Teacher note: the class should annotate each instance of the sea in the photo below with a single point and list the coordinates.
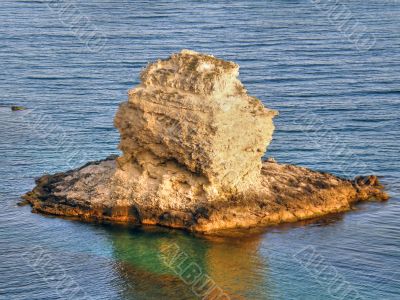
(331, 69)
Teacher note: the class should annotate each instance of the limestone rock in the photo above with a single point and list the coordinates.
(287, 194)
(192, 116)
(192, 141)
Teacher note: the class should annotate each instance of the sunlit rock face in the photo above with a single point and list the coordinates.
(191, 130)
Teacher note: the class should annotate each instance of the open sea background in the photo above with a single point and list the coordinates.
(339, 112)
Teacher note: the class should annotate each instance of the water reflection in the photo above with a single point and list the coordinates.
(233, 263)
(234, 260)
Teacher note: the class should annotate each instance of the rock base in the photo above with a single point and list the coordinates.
(287, 194)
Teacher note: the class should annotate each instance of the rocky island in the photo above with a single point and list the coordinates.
(192, 143)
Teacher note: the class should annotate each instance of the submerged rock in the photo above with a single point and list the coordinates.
(192, 141)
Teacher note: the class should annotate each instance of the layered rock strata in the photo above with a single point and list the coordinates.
(190, 125)
(192, 141)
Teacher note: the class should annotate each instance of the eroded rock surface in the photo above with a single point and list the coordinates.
(287, 194)
(192, 141)
(191, 123)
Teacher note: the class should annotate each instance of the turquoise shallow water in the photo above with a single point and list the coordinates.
(339, 112)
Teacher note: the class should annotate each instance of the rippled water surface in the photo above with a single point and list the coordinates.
(339, 112)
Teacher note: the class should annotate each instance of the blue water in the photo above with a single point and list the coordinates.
(339, 110)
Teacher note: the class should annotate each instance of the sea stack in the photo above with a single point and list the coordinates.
(191, 131)
(192, 141)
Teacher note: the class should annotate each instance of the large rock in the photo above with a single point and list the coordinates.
(192, 141)
(192, 112)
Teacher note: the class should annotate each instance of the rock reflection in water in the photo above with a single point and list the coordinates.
(230, 262)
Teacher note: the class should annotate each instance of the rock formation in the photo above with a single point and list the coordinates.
(190, 132)
(192, 141)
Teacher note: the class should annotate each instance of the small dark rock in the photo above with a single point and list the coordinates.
(16, 108)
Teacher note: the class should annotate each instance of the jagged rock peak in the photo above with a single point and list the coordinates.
(193, 72)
